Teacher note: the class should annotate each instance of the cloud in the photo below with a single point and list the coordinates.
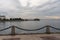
(9, 4)
(9, 7)
(52, 17)
(30, 8)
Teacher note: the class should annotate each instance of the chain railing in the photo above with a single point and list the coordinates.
(55, 28)
(30, 29)
(13, 29)
(5, 29)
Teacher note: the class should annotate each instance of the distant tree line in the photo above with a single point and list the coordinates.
(15, 18)
(36, 19)
(19, 19)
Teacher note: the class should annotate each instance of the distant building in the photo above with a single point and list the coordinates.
(2, 17)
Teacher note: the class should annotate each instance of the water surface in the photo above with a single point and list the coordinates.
(30, 25)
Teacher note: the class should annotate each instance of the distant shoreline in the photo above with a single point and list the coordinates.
(19, 19)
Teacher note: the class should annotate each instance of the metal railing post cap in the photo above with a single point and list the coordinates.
(13, 26)
(47, 26)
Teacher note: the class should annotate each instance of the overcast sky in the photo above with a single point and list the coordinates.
(45, 9)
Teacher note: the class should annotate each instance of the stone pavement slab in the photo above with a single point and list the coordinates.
(32, 37)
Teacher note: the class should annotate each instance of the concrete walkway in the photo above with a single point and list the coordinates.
(32, 37)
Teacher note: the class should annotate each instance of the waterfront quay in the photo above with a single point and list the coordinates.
(31, 37)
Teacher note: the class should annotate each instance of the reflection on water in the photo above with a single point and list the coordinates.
(29, 25)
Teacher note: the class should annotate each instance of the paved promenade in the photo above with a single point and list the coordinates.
(32, 37)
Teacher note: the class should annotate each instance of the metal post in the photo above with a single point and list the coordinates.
(48, 29)
(12, 30)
